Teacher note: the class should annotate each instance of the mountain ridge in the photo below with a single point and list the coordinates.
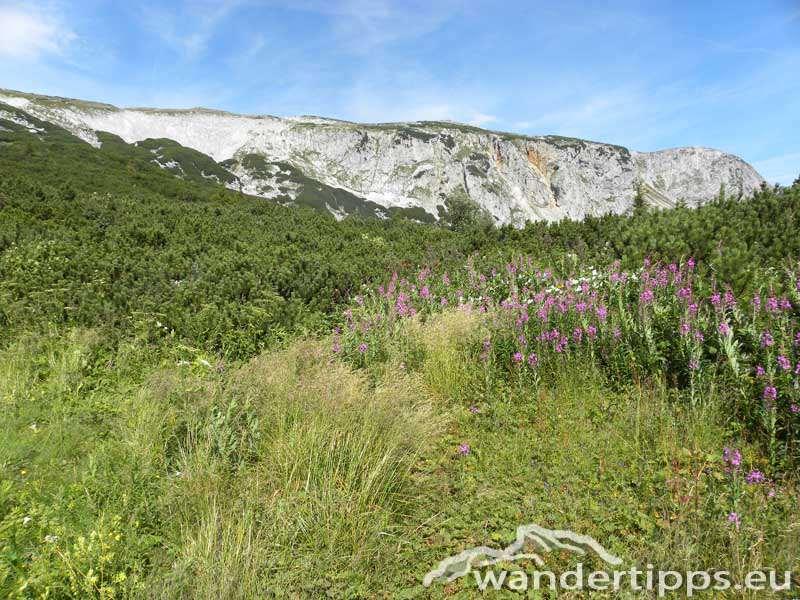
(419, 166)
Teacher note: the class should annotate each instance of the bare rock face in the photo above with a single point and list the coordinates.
(417, 166)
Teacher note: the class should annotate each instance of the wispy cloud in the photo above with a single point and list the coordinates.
(365, 25)
(189, 30)
(29, 32)
(481, 120)
(780, 169)
(411, 92)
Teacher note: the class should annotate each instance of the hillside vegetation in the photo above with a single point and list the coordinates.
(207, 395)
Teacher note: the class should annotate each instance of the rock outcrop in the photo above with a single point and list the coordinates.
(416, 166)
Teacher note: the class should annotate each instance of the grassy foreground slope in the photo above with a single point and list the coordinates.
(302, 475)
(182, 420)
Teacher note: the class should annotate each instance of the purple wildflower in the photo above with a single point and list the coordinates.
(463, 449)
(772, 304)
(770, 393)
(533, 360)
(602, 313)
(730, 301)
(517, 357)
(755, 477)
(362, 348)
(734, 518)
(784, 363)
(767, 339)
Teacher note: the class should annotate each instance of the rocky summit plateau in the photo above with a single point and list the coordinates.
(414, 169)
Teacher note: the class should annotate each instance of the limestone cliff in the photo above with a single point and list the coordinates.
(414, 166)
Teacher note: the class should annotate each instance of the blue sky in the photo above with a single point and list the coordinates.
(647, 74)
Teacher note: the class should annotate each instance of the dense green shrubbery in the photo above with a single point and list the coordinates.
(102, 237)
(221, 274)
(730, 236)
(231, 273)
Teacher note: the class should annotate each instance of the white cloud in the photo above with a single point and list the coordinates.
(388, 92)
(779, 169)
(363, 26)
(26, 32)
(191, 27)
(481, 120)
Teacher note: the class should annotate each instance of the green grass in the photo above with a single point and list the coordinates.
(298, 476)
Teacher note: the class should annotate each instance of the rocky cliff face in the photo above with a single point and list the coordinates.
(413, 167)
